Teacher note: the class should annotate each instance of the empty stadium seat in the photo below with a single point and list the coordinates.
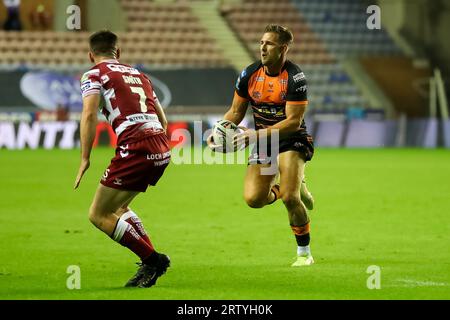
(157, 34)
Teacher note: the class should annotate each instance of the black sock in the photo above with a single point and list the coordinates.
(151, 259)
(303, 240)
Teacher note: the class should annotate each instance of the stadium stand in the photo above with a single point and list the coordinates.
(168, 34)
(357, 77)
(155, 36)
(330, 86)
(45, 48)
(249, 17)
(341, 25)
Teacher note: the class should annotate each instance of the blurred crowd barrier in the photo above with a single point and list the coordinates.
(32, 131)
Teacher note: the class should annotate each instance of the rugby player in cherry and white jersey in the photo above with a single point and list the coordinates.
(127, 99)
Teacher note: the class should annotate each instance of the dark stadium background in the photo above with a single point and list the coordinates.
(370, 87)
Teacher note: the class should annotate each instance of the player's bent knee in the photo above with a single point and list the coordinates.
(255, 204)
(94, 217)
(255, 201)
(290, 200)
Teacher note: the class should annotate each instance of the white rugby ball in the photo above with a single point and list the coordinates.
(223, 133)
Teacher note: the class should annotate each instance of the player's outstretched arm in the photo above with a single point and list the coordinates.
(88, 125)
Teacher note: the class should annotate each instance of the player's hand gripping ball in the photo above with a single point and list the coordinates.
(223, 133)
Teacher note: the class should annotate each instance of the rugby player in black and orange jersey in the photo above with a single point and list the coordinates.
(276, 90)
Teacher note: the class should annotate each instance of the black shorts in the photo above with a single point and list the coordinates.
(303, 144)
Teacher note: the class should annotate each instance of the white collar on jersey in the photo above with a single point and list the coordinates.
(110, 61)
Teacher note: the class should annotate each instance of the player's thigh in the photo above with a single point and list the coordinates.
(257, 184)
(291, 165)
(108, 200)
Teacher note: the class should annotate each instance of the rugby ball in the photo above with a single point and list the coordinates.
(223, 133)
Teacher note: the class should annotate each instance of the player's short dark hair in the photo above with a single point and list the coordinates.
(103, 43)
(284, 34)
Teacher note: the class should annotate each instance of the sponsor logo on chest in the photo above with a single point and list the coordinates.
(298, 77)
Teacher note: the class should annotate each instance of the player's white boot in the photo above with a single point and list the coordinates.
(304, 257)
(306, 196)
(305, 260)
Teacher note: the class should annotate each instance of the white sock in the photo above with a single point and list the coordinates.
(128, 214)
(303, 251)
(121, 227)
(135, 221)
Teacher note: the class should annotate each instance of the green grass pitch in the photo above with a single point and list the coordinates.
(384, 207)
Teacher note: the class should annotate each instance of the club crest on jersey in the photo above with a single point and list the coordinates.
(283, 95)
(256, 94)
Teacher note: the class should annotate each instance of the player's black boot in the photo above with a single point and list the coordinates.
(151, 272)
(133, 282)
